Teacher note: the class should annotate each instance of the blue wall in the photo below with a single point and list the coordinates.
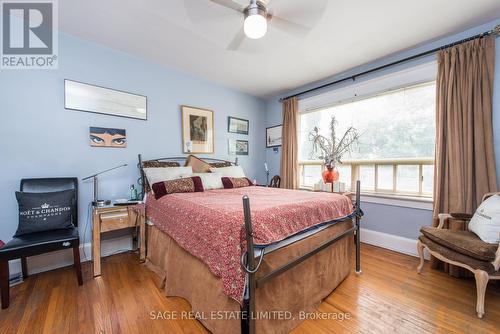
(39, 138)
(395, 220)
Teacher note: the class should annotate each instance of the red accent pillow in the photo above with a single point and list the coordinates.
(235, 182)
(2, 244)
(184, 185)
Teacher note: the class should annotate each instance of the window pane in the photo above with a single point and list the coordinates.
(367, 177)
(345, 175)
(311, 175)
(427, 179)
(385, 177)
(407, 178)
(407, 117)
(393, 125)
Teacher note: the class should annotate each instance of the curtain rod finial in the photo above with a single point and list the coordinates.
(496, 30)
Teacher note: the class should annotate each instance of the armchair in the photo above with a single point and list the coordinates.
(463, 249)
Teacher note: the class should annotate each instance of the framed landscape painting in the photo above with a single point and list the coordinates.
(238, 147)
(197, 130)
(273, 136)
(237, 125)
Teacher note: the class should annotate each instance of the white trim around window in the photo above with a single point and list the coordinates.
(363, 88)
(354, 166)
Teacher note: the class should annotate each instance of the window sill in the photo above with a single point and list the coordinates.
(413, 202)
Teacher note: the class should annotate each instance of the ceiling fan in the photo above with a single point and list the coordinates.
(257, 16)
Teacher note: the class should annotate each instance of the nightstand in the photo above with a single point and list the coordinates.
(112, 218)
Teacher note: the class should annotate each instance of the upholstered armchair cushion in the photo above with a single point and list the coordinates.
(463, 242)
(452, 255)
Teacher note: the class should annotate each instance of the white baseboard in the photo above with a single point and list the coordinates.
(393, 242)
(63, 258)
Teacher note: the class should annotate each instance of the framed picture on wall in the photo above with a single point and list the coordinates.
(197, 130)
(273, 136)
(238, 147)
(237, 125)
(84, 97)
(107, 137)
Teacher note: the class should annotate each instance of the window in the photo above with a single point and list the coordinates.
(395, 154)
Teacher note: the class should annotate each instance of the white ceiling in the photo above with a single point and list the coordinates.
(192, 35)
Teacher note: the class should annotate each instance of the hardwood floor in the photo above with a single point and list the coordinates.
(388, 297)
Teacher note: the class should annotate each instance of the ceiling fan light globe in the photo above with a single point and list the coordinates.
(255, 26)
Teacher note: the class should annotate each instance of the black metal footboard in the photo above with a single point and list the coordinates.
(251, 266)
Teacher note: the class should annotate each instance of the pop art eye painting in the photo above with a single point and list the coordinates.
(107, 137)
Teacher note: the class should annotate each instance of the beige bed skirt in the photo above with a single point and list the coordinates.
(300, 289)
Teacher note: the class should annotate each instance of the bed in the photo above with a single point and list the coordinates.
(252, 259)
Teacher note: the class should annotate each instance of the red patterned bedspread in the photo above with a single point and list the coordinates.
(210, 224)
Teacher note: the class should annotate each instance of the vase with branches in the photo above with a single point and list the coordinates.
(331, 149)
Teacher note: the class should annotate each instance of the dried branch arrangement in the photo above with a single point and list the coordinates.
(332, 149)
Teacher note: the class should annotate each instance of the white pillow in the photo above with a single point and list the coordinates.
(486, 220)
(155, 175)
(210, 180)
(233, 171)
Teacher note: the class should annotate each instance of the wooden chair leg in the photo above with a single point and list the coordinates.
(420, 250)
(4, 283)
(78, 266)
(482, 279)
(24, 266)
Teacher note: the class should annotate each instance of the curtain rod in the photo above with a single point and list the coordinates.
(494, 31)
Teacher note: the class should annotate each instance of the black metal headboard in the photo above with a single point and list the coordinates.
(181, 160)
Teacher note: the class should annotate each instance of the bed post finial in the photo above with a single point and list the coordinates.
(141, 173)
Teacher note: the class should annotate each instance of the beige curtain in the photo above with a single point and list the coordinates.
(289, 148)
(465, 160)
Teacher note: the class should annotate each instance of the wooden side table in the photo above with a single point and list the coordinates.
(111, 218)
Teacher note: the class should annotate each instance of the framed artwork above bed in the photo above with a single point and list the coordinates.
(197, 130)
(238, 147)
(237, 125)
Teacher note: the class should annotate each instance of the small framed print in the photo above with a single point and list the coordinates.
(197, 130)
(238, 147)
(237, 125)
(107, 137)
(273, 136)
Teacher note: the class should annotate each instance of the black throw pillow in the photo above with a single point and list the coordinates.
(44, 211)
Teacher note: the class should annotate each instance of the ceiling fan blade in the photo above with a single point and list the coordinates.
(230, 4)
(289, 27)
(237, 40)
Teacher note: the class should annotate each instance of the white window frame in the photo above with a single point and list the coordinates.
(422, 73)
(395, 163)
